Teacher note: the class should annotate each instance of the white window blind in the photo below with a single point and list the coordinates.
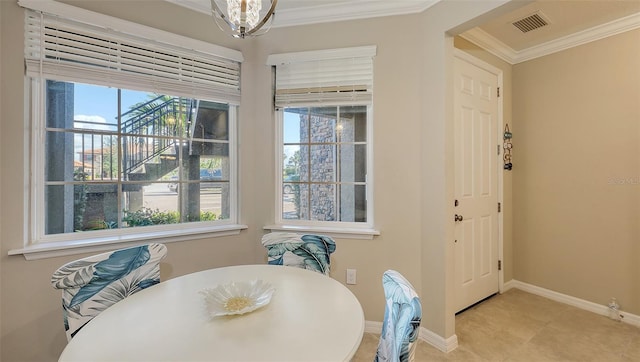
(337, 76)
(61, 49)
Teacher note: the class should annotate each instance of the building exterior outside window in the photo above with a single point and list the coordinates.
(127, 158)
(325, 164)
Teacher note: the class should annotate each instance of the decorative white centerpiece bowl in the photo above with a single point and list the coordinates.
(237, 297)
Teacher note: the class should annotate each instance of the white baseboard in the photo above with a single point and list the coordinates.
(572, 301)
(444, 345)
(373, 327)
(449, 344)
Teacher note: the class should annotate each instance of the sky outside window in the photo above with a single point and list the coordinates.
(96, 108)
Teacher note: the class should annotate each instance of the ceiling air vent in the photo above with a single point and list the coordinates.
(531, 22)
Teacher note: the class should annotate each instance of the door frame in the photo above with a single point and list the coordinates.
(462, 55)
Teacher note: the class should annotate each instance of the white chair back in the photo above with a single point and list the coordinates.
(402, 316)
(306, 251)
(95, 283)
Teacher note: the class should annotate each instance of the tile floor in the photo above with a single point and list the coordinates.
(519, 326)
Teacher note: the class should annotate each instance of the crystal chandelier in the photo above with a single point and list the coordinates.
(243, 18)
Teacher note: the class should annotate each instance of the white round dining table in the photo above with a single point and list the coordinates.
(311, 317)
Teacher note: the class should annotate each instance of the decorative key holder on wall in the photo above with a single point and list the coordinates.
(507, 146)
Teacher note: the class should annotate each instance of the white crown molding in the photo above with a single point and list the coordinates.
(489, 43)
(509, 55)
(349, 11)
(329, 13)
(199, 6)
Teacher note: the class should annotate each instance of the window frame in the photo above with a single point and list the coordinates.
(37, 245)
(38, 184)
(340, 229)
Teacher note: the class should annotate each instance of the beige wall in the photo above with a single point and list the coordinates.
(412, 183)
(576, 175)
(1, 103)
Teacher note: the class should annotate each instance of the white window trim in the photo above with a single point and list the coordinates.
(64, 248)
(338, 229)
(38, 246)
(335, 232)
(59, 245)
(366, 229)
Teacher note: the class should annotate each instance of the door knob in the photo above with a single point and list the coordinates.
(458, 217)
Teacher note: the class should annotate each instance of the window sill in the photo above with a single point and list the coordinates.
(63, 248)
(342, 233)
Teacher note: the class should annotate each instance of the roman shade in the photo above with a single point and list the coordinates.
(335, 77)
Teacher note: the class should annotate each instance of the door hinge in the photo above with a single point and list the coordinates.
(499, 264)
(499, 207)
(498, 91)
(498, 149)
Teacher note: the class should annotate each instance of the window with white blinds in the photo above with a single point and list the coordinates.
(337, 76)
(133, 131)
(62, 49)
(324, 153)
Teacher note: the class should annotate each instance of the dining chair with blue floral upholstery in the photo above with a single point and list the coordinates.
(93, 284)
(306, 251)
(402, 316)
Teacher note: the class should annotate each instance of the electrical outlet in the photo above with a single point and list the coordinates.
(351, 276)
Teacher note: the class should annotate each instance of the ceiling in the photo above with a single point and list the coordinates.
(564, 18)
(570, 23)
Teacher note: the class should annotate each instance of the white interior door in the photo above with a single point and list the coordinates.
(476, 183)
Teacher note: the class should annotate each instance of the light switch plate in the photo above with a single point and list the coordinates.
(351, 276)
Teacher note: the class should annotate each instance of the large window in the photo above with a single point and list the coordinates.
(323, 107)
(126, 158)
(130, 137)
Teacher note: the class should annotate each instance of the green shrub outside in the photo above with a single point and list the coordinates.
(146, 216)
